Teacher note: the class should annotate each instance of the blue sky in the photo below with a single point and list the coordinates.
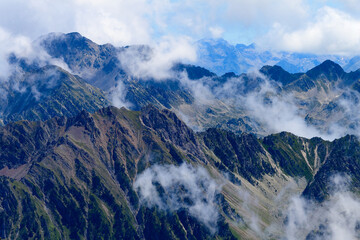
(318, 26)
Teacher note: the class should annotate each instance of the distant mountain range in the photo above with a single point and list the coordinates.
(221, 57)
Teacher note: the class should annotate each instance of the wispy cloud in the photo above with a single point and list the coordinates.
(172, 187)
(156, 61)
(337, 218)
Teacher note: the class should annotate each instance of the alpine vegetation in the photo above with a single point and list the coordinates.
(179, 120)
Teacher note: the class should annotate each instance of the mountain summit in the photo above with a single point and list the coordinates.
(328, 69)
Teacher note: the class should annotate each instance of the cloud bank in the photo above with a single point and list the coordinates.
(172, 187)
(155, 62)
(337, 218)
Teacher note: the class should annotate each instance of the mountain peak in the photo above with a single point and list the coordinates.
(74, 35)
(229, 75)
(278, 74)
(331, 70)
(194, 72)
(66, 41)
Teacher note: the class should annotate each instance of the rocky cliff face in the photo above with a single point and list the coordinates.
(71, 169)
(73, 178)
(321, 96)
(46, 92)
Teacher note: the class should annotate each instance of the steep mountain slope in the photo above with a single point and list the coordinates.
(100, 66)
(321, 96)
(324, 94)
(43, 93)
(76, 176)
(83, 56)
(70, 178)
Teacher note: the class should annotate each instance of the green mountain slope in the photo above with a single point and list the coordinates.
(73, 178)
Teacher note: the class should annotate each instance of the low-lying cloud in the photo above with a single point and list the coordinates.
(12, 44)
(24, 49)
(337, 218)
(117, 95)
(277, 110)
(172, 187)
(156, 61)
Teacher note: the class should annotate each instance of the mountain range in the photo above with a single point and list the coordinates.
(323, 97)
(194, 156)
(219, 56)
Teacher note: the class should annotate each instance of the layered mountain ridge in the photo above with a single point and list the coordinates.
(221, 57)
(323, 96)
(73, 177)
(198, 156)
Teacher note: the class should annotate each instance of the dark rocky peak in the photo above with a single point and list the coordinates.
(77, 51)
(287, 150)
(348, 143)
(223, 78)
(86, 120)
(170, 128)
(229, 75)
(160, 119)
(285, 138)
(123, 116)
(278, 74)
(193, 72)
(241, 154)
(109, 112)
(58, 44)
(342, 160)
(352, 79)
(328, 69)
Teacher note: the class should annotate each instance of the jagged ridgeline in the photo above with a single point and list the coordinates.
(78, 178)
(325, 97)
(73, 168)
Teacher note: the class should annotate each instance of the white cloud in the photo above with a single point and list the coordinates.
(22, 47)
(156, 62)
(332, 32)
(350, 6)
(278, 113)
(337, 218)
(184, 186)
(121, 22)
(216, 32)
(125, 22)
(117, 95)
